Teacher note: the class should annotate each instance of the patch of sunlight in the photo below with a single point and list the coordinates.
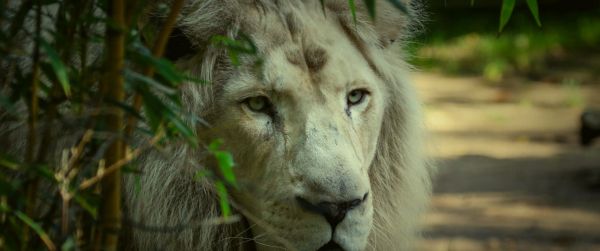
(509, 211)
(574, 97)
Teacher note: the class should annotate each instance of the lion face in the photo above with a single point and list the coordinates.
(326, 133)
(303, 129)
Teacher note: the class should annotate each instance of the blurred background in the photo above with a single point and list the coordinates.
(505, 115)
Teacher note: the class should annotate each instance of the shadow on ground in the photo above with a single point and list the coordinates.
(512, 176)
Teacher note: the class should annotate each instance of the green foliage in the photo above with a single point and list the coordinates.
(60, 70)
(352, 5)
(224, 201)
(533, 7)
(36, 227)
(72, 94)
(472, 46)
(505, 13)
(235, 47)
(226, 177)
(225, 162)
(507, 9)
(370, 4)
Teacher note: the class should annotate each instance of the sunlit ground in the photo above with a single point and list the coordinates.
(512, 176)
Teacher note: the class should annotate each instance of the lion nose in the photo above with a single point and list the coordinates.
(334, 212)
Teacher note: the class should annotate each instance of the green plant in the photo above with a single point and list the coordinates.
(49, 68)
(507, 9)
(471, 46)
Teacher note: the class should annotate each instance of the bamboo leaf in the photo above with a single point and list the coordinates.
(7, 187)
(9, 162)
(159, 112)
(87, 204)
(226, 164)
(223, 199)
(182, 128)
(370, 7)
(126, 107)
(352, 5)
(200, 174)
(137, 184)
(44, 172)
(68, 245)
(533, 7)
(235, 47)
(322, 5)
(36, 228)
(505, 13)
(400, 5)
(57, 65)
(152, 111)
(136, 78)
(7, 105)
(167, 70)
(164, 67)
(233, 56)
(215, 144)
(242, 45)
(195, 80)
(224, 160)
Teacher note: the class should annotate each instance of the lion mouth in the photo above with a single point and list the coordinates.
(331, 246)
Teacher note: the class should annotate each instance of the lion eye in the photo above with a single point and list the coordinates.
(355, 97)
(258, 103)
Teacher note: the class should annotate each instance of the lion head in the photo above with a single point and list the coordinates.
(325, 133)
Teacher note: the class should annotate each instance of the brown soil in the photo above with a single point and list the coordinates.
(512, 176)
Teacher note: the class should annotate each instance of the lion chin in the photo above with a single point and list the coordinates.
(322, 123)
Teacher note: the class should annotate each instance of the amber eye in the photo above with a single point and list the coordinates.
(355, 97)
(258, 103)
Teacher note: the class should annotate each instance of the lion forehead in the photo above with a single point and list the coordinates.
(315, 53)
(306, 33)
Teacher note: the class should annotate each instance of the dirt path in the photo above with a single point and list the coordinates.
(512, 176)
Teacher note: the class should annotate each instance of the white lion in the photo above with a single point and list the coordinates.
(326, 135)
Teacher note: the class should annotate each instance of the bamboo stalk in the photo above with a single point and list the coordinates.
(110, 211)
(157, 50)
(33, 88)
(4, 7)
(32, 123)
(131, 8)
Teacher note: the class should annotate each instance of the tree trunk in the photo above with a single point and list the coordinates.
(110, 214)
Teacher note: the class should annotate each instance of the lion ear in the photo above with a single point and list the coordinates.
(391, 17)
(198, 21)
(391, 20)
(179, 46)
